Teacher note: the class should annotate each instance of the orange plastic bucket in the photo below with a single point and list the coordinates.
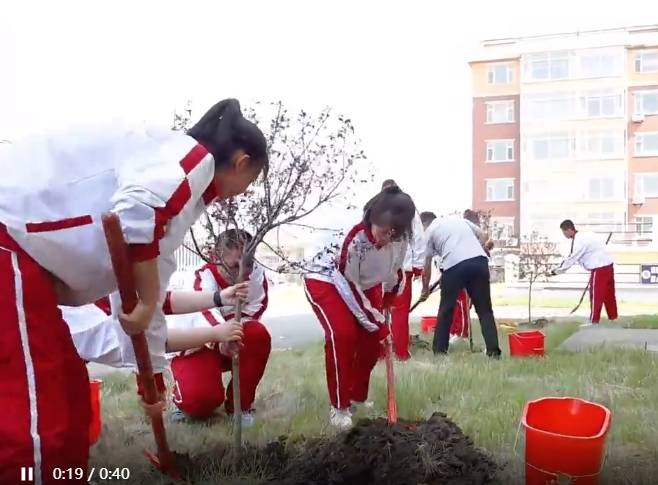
(564, 438)
(427, 324)
(95, 422)
(524, 344)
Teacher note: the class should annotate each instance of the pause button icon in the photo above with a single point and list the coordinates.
(27, 474)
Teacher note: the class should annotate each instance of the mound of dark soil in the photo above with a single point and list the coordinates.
(374, 452)
(428, 452)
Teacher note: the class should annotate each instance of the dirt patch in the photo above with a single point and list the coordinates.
(373, 452)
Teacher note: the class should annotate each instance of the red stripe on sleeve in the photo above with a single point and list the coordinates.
(67, 223)
(207, 314)
(173, 207)
(344, 252)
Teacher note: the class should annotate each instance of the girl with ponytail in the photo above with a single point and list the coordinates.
(53, 251)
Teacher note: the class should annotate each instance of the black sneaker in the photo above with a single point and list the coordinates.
(494, 354)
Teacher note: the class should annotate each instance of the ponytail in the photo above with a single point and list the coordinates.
(223, 130)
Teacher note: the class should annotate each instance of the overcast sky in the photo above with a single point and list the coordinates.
(398, 69)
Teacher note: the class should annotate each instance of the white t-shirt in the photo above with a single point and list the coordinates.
(454, 239)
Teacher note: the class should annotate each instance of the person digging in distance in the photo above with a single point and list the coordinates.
(351, 285)
(459, 243)
(588, 250)
(53, 252)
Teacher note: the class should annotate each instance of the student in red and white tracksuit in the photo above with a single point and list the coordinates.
(414, 261)
(198, 374)
(590, 252)
(53, 252)
(351, 285)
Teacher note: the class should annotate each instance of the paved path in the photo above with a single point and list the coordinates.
(624, 337)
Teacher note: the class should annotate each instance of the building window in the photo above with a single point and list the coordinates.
(602, 104)
(500, 190)
(499, 74)
(646, 103)
(547, 66)
(646, 61)
(500, 111)
(551, 147)
(605, 221)
(502, 228)
(601, 63)
(646, 144)
(554, 107)
(646, 185)
(602, 188)
(500, 150)
(601, 145)
(644, 224)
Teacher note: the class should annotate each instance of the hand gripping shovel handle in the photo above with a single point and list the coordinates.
(391, 403)
(123, 270)
(432, 289)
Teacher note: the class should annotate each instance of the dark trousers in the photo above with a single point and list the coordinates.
(472, 274)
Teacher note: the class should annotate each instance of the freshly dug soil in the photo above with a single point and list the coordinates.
(428, 452)
(374, 452)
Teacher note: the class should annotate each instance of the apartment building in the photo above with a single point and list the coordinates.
(566, 125)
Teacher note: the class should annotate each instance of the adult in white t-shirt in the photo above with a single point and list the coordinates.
(459, 243)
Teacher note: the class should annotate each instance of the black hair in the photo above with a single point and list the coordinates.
(234, 238)
(389, 183)
(223, 130)
(427, 217)
(391, 207)
(472, 216)
(567, 224)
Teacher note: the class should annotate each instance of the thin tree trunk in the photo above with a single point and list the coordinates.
(235, 368)
(530, 301)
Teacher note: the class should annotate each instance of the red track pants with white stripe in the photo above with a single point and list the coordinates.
(602, 292)
(461, 316)
(351, 352)
(44, 390)
(400, 320)
(198, 388)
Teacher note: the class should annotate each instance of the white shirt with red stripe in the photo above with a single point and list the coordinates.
(54, 190)
(354, 264)
(209, 278)
(415, 256)
(588, 250)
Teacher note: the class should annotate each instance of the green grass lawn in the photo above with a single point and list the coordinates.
(484, 397)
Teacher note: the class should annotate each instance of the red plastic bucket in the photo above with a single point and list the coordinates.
(427, 324)
(564, 438)
(524, 344)
(95, 422)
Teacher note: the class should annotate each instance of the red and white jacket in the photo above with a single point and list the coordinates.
(354, 265)
(415, 256)
(588, 250)
(208, 278)
(54, 190)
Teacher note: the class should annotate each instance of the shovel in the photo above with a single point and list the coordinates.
(123, 270)
(391, 404)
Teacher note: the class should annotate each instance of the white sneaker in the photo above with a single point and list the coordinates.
(456, 338)
(361, 406)
(340, 418)
(248, 419)
(588, 323)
